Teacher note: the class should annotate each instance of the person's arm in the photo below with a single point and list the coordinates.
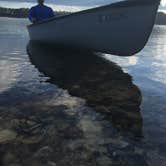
(51, 14)
(32, 15)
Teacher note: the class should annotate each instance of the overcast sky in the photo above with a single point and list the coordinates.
(67, 3)
(76, 2)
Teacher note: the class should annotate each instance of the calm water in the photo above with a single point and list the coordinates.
(41, 124)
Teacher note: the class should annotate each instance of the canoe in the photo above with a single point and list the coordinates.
(121, 28)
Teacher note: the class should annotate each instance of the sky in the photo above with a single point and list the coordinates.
(69, 5)
(163, 2)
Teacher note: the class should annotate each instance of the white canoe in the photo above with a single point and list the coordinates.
(121, 28)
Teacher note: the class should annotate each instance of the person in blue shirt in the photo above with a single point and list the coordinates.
(40, 12)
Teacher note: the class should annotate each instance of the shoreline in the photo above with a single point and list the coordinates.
(22, 12)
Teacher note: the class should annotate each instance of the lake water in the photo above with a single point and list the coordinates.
(47, 119)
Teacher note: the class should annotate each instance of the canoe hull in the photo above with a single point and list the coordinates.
(115, 29)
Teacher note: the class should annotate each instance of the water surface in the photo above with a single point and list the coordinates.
(44, 122)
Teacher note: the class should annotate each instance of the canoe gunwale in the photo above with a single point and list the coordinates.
(122, 4)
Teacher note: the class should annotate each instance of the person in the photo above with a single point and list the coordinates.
(40, 12)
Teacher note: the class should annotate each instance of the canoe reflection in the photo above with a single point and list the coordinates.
(102, 83)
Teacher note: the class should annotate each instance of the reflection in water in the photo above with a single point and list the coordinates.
(103, 84)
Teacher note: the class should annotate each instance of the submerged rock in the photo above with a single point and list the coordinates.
(44, 152)
(10, 159)
(57, 129)
(29, 140)
(102, 83)
(7, 136)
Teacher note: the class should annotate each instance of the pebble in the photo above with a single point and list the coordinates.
(7, 136)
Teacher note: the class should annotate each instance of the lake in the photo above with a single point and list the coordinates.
(55, 110)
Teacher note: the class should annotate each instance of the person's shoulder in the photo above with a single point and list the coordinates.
(34, 7)
(48, 7)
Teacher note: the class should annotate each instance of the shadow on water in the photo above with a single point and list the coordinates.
(103, 84)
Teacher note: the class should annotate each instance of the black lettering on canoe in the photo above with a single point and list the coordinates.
(111, 17)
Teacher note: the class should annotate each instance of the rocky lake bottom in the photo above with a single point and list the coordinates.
(63, 107)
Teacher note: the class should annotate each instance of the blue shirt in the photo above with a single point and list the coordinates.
(40, 12)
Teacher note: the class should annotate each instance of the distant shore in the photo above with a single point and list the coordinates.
(23, 13)
(161, 18)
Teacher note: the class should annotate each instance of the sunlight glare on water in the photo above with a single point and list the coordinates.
(152, 58)
(10, 56)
